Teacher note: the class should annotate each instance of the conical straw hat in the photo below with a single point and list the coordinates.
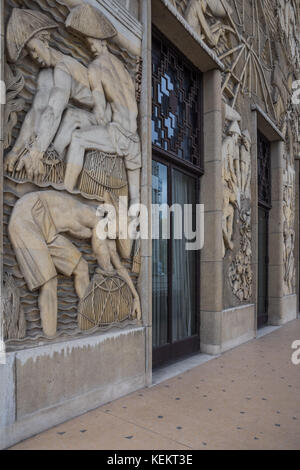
(90, 22)
(22, 26)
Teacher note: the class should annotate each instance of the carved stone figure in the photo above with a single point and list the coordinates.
(280, 96)
(14, 318)
(236, 157)
(14, 85)
(231, 181)
(195, 15)
(245, 164)
(288, 230)
(35, 230)
(115, 108)
(62, 79)
(288, 14)
(80, 134)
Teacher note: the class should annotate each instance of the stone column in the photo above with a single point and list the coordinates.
(211, 278)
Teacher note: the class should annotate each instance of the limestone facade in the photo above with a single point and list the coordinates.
(76, 138)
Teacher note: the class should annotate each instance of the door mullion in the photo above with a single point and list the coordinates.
(170, 259)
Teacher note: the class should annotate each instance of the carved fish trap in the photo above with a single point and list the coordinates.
(103, 172)
(108, 300)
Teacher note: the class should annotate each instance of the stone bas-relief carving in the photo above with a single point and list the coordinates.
(289, 230)
(14, 105)
(249, 52)
(14, 322)
(289, 17)
(240, 270)
(236, 159)
(115, 109)
(106, 91)
(195, 15)
(35, 229)
(79, 135)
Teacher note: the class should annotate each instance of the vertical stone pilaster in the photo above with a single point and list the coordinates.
(276, 268)
(282, 307)
(145, 279)
(1, 160)
(211, 278)
(297, 222)
(254, 212)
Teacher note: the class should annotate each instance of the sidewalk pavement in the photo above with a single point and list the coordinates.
(248, 398)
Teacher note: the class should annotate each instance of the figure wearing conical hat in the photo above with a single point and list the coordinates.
(61, 79)
(115, 109)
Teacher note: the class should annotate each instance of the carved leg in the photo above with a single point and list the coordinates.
(101, 251)
(81, 278)
(134, 186)
(48, 307)
(228, 227)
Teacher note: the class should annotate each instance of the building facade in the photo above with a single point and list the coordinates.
(109, 104)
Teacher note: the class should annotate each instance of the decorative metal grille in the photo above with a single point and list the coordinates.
(176, 102)
(264, 170)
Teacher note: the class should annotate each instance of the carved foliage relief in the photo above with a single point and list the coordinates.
(72, 147)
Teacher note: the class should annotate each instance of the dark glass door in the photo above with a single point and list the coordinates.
(263, 264)
(264, 207)
(175, 269)
(177, 139)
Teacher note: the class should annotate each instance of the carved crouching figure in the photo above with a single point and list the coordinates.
(35, 229)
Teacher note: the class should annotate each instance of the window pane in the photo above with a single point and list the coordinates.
(160, 259)
(184, 272)
(176, 97)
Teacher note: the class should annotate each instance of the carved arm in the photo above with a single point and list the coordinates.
(51, 117)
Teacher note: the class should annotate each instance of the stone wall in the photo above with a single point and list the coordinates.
(75, 309)
(76, 135)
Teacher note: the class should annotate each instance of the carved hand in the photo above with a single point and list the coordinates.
(33, 163)
(9, 161)
(136, 309)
